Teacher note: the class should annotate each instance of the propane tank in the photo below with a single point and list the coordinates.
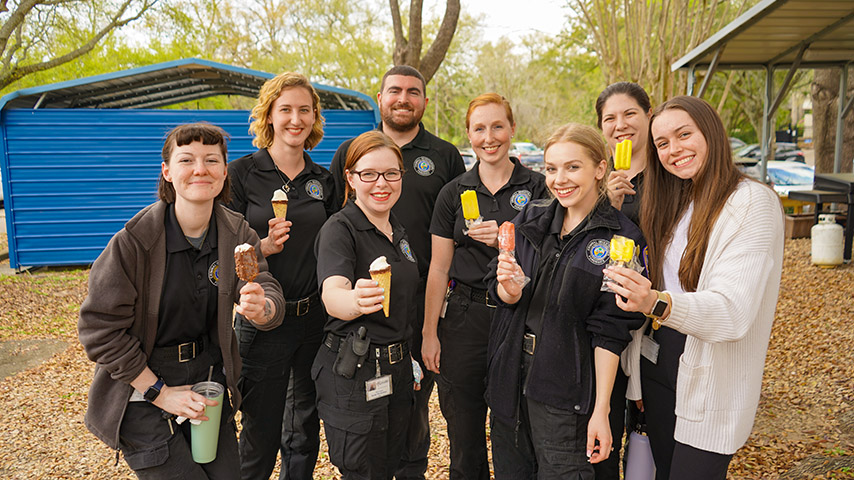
(827, 242)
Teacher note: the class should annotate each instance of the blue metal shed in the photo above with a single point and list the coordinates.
(79, 158)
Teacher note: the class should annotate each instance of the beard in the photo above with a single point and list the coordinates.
(389, 120)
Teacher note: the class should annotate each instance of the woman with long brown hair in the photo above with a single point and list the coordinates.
(715, 260)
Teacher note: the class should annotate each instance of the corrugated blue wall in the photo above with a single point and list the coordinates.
(72, 178)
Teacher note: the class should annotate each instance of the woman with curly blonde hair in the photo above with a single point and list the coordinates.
(286, 123)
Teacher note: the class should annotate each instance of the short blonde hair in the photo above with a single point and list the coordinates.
(270, 91)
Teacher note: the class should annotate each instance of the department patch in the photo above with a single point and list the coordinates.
(597, 251)
(314, 189)
(424, 166)
(213, 273)
(406, 250)
(520, 198)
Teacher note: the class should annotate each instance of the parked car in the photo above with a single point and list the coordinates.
(786, 152)
(529, 154)
(469, 158)
(784, 177)
(736, 143)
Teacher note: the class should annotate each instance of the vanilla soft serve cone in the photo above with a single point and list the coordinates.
(381, 273)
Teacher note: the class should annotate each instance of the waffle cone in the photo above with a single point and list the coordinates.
(280, 208)
(383, 278)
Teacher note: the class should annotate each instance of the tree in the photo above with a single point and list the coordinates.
(638, 40)
(407, 51)
(825, 108)
(38, 35)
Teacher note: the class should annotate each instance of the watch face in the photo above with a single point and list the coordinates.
(659, 308)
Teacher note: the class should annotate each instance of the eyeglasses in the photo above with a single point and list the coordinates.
(371, 176)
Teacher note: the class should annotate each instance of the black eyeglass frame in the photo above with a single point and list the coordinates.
(379, 174)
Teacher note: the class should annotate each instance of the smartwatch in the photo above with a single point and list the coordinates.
(658, 310)
(153, 391)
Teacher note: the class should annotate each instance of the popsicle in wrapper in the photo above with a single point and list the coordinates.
(623, 155)
(471, 211)
(622, 253)
(245, 262)
(381, 273)
(280, 203)
(507, 237)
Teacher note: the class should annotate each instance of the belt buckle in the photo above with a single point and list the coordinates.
(488, 304)
(192, 353)
(398, 348)
(302, 306)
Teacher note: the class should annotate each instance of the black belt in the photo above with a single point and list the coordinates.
(298, 308)
(179, 353)
(529, 343)
(476, 295)
(392, 353)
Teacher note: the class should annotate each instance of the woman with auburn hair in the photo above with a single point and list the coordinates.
(458, 311)
(363, 371)
(286, 123)
(555, 343)
(715, 260)
(158, 319)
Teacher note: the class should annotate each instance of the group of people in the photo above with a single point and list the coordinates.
(530, 336)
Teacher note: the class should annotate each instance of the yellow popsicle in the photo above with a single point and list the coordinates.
(622, 248)
(623, 155)
(470, 208)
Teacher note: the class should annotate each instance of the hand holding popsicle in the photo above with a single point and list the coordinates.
(507, 246)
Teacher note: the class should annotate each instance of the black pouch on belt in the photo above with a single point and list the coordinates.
(352, 353)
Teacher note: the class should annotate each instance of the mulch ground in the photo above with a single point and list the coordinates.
(804, 427)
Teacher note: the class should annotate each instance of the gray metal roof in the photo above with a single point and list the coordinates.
(774, 31)
(165, 84)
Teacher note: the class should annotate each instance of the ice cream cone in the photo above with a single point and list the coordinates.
(383, 278)
(280, 208)
(280, 203)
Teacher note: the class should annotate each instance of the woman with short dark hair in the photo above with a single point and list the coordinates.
(158, 317)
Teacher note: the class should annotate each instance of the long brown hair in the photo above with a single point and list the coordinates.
(666, 196)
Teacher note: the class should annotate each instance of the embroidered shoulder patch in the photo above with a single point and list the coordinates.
(406, 250)
(597, 251)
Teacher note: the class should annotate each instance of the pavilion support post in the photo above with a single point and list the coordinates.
(767, 118)
(710, 72)
(837, 149)
(692, 79)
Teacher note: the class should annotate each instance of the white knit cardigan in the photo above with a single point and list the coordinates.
(728, 322)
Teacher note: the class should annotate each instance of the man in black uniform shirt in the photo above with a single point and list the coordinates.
(429, 163)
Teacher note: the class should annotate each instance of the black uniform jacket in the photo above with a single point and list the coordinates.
(577, 319)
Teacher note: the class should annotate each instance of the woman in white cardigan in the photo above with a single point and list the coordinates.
(716, 253)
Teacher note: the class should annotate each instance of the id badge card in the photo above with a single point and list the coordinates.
(649, 349)
(378, 387)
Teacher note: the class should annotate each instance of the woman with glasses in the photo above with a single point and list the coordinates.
(286, 123)
(458, 311)
(363, 370)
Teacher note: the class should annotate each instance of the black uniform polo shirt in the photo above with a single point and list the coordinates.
(311, 200)
(471, 258)
(346, 246)
(549, 268)
(188, 301)
(429, 163)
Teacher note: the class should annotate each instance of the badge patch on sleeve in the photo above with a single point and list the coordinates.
(424, 166)
(406, 250)
(597, 251)
(520, 198)
(213, 273)
(314, 189)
